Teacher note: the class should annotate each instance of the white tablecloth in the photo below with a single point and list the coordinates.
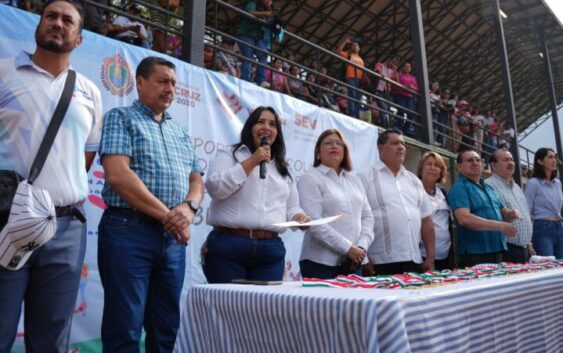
(516, 313)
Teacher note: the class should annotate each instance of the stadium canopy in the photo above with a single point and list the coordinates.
(461, 44)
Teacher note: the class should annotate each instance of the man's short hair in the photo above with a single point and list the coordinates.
(146, 66)
(76, 5)
(493, 156)
(459, 158)
(384, 136)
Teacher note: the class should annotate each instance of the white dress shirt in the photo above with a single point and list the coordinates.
(246, 201)
(398, 205)
(441, 218)
(323, 193)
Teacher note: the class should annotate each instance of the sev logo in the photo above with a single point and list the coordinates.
(116, 75)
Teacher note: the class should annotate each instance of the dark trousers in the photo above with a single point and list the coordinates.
(142, 271)
(231, 256)
(311, 269)
(516, 254)
(395, 268)
(468, 260)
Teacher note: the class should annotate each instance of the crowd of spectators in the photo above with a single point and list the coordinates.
(128, 28)
(391, 99)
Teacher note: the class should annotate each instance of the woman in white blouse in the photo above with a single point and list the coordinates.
(329, 189)
(244, 243)
(432, 171)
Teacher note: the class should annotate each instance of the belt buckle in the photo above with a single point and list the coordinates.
(251, 236)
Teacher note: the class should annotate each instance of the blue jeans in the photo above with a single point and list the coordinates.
(352, 93)
(48, 285)
(247, 64)
(547, 238)
(384, 106)
(142, 271)
(444, 119)
(231, 256)
(404, 125)
(313, 269)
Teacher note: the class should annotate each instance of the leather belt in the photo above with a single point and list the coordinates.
(70, 211)
(250, 233)
(552, 218)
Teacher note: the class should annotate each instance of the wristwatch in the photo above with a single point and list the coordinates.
(192, 204)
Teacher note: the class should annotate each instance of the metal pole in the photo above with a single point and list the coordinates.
(417, 34)
(552, 102)
(194, 30)
(508, 97)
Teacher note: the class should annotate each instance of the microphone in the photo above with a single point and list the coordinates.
(263, 142)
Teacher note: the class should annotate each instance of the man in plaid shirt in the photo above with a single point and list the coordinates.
(153, 189)
(519, 247)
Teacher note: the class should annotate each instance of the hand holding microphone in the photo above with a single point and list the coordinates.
(264, 141)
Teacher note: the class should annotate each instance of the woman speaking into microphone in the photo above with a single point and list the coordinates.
(244, 243)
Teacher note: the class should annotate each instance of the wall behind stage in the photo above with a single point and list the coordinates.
(213, 107)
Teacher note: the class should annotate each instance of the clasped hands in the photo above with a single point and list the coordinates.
(177, 222)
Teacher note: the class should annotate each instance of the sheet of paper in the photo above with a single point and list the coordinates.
(315, 222)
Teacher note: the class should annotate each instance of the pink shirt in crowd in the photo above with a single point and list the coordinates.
(406, 80)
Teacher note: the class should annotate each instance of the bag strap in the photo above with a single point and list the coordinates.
(53, 127)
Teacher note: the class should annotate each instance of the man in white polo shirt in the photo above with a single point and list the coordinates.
(30, 88)
(401, 210)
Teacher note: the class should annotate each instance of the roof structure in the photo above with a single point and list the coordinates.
(461, 45)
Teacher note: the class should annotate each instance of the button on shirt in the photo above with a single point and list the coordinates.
(246, 201)
(28, 97)
(512, 197)
(161, 153)
(398, 203)
(323, 193)
(482, 201)
(545, 198)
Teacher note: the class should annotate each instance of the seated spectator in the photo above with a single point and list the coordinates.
(276, 79)
(342, 99)
(464, 125)
(325, 81)
(479, 121)
(406, 100)
(507, 134)
(207, 57)
(286, 65)
(94, 16)
(173, 45)
(13, 3)
(226, 62)
(129, 31)
(295, 84)
(444, 112)
(310, 91)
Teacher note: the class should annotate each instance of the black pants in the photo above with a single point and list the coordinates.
(468, 260)
(397, 268)
(516, 254)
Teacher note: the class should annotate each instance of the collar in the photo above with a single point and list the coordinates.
(148, 111)
(326, 169)
(24, 60)
(463, 178)
(544, 181)
(509, 183)
(379, 165)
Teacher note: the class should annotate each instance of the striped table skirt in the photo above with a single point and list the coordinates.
(516, 313)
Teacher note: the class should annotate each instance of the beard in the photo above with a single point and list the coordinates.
(53, 46)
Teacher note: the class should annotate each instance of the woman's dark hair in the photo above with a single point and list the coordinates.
(539, 172)
(346, 163)
(277, 148)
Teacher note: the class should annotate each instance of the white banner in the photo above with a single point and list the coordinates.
(213, 107)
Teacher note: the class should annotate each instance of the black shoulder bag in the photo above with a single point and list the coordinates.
(10, 179)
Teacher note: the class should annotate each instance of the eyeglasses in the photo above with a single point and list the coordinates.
(336, 143)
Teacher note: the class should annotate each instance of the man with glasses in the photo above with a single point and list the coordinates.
(519, 247)
(481, 215)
